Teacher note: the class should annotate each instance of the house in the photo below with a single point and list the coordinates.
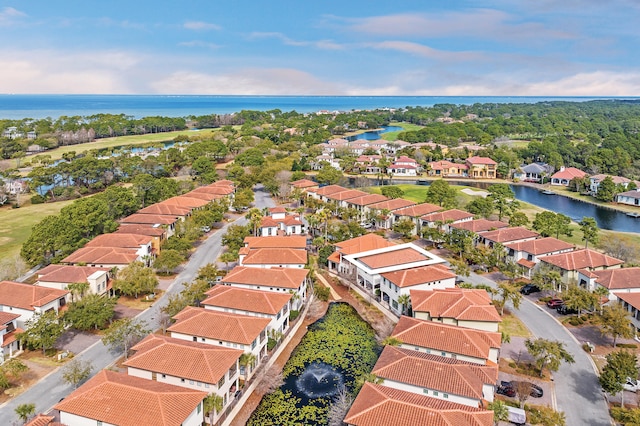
(568, 264)
(16, 186)
(436, 376)
(414, 213)
(631, 198)
(444, 219)
(504, 236)
(258, 303)
(595, 180)
(479, 225)
(617, 281)
(111, 398)
(304, 184)
(359, 203)
(59, 277)
(104, 257)
(404, 166)
(243, 332)
(449, 341)
(323, 159)
(534, 172)
(158, 234)
(365, 242)
(222, 190)
(396, 284)
(167, 222)
(28, 300)
(192, 203)
(481, 167)
(369, 164)
(290, 242)
(280, 223)
(382, 211)
(527, 254)
(167, 210)
(274, 258)
(322, 192)
(42, 420)
(204, 195)
(196, 366)
(378, 405)
(143, 244)
(565, 175)
(468, 308)
(9, 345)
(446, 169)
(285, 280)
(631, 302)
(341, 197)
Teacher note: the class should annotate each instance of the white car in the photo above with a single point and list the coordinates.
(631, 385)
(366, 225)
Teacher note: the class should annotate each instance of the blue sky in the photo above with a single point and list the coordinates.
(327, 47)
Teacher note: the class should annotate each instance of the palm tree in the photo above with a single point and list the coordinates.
(247, 359)
(405, 301)
(500, 411)
(24, 411)
(213, 403)
(77, 289)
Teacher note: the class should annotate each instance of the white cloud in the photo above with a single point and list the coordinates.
(199, 43)
(427, 52)
(9, 15)
(200, 26)
(320, 44)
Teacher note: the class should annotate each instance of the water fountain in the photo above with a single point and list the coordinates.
(319, 380)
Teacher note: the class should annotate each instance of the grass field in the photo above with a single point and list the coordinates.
(16, 224)
(392, 136)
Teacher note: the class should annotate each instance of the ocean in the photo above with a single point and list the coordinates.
(17, 107)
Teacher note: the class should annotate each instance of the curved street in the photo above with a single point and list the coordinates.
(51, 389)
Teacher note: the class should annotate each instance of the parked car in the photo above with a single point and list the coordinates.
(529, 288)
(631, 385)
(565, 310)
(555, 303)
(366, 225)
(536, 391)
(506, 390)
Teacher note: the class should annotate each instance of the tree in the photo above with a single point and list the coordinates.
(24, 411)
(228, 257)
(615, 321)
(339, 407)
(392, 191)
(589, 230)
(405, 301)
(328, 175)
(547, 279)
(242, 199)
(255, 217)
(77, 289)
(504, 199)
(620, 365)
(209, 273)
(213, 403)
(549, 224)
(606, 190)
(134, 279)
(621, 247)
(404, 227)
(440, 193)
(480, 206)
(508, 293)
(124, 333)
(579, 298)
(167, 261)
(523, 391)
(460, 268)
(518, 219)
(93, 311)
(500, 411)
(75, 371)
(42, 331)
(548, 354)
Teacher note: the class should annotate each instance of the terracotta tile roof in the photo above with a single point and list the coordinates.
(11, 337)
(67, 273)
(363, 243)
(418, 210)
(274, 277)
(27, 296)
(334, 257)
(201, 322)
(480, 160)
(568, 173)
(265, 302)
(435, 372)
(329, 189)
(620, 278)
(304, 183)
(346, 195)
(578, 259)
(445, 216)
(290, 220)
(166, 209)
(217, 190)
(102, 255)
(526, 263)
(120, 240)
(393, 258)
(616, 179)
(505, 235)
(378, 405)
(185, 201)
(445, 337)
(207, 196)
(405, 159)
(141, 229)
(278, 209)
(7, 317)
(632, 299)
(392, 204)
(223, 182)
(268, 222)
(124, 400)
(458, 303)
(40, 420)
(368, 199)
(420, 275)
(150, 219)
(480, 225)
(444, 164)
(290, 241)
(182, 358)
(540, 246)
(276, 256)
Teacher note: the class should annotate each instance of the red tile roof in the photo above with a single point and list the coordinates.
(290, 241)
(420, 275)
(27, 296)
(276, 256)
(124, 400)
(346, 195)
(140, 229)
(506, 235)
(242, 329)
(480, 160)
(102, 255)
(418, 210)
(445, 337)
(185, 201)
(378, 405)
(540, 246)
(619, 278)
(435, 372)
(40, 420)
(150, 219)
(392, 205)
(446, 216)
(120, 240)
(578, 259)
(7, 317)
(217, 190)
(632, 299)
(458, 303)
(329, 189)
(304, 183)
(363, 243)
(289, 278)
(480, 225)
(67, 273)
(207, 196)
(182, 358)
(365, 200)
(166, 209)
(264, 302)
(393, 258)
(568, 173)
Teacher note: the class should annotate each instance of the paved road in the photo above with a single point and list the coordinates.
(578, 392)
(51, 389)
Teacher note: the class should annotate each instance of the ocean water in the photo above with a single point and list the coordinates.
(138, 106)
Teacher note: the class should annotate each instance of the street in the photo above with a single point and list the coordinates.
(51, 389)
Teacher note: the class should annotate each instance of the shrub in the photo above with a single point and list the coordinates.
(322, 293)
(293, 314)
(271, 343)
(627, 345)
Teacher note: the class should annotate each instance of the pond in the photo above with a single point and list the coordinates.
(337, 351)
(374, 135)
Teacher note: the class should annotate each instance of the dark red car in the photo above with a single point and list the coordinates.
(555, 303)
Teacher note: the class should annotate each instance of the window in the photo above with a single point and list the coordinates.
(202, 339)
(206, 385)
(99, 423)
(445, 395)
(435, 393)
(190, 382)
(182, 380)
(199, 408)
(221, 382)
(164, 376)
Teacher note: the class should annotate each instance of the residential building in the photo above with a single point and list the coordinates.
(158, 234)
(563, 176)
(382, 212)
(527, 254)
(104, 257)
(369, 164)
(596, 180)
(481, 167)
(436, 376)
(341, 197)
(366, 242)
(290, 242)
(415, 213)
(449, 341)
(404, 166)
(447, 169)
(274, 258)
(304, 184)
(468, 308)
(378, 405)
(28, 300)
(631, 302)
(257, 303)
(185, 200)
(143, 244)
(479, 225)
(280, 223)
(631, 198)
(534, 172)
(197, 366)
(167, 222)
(361, 202)
(504, 236)
(616, 281)
(167, 210)
(9, 345)
(444, 219)
(568, 264)
(111, 398)
(322, 192)
(59, 277)
(323, 159)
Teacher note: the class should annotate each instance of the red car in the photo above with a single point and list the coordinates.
(555, 303)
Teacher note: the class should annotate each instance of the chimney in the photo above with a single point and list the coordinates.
(562, 168)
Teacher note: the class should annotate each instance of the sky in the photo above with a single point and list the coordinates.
(325, 47)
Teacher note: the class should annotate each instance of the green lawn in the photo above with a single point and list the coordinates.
(16, 224)
(392, 136)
